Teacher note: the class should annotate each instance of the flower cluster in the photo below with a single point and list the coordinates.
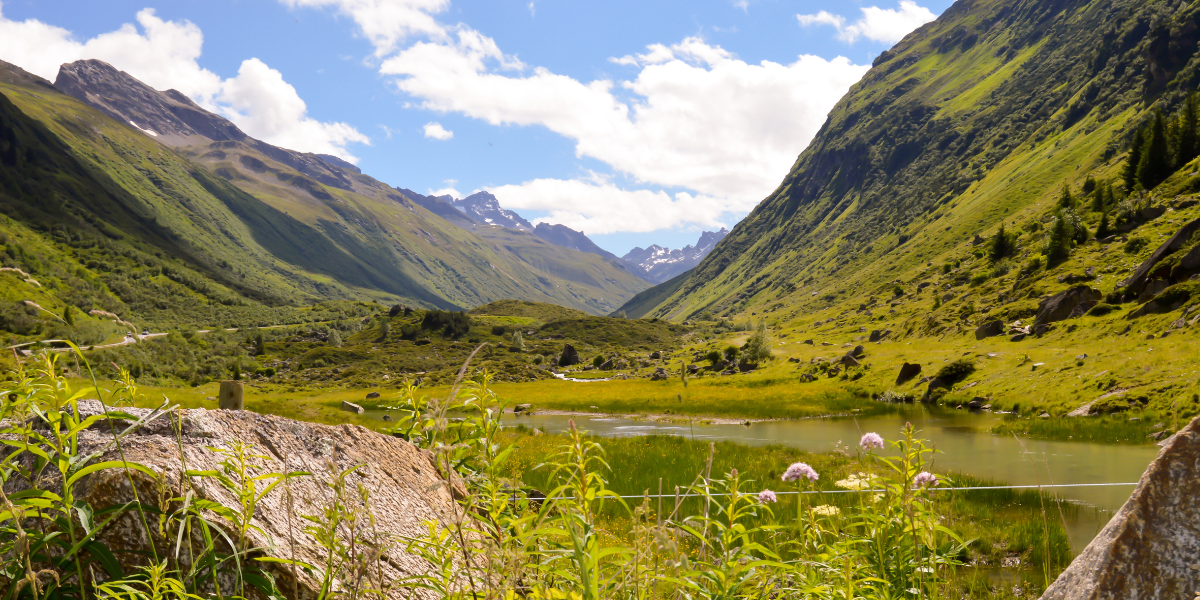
(925, 479)
(871, 440)
(799, 470)
(826, 510)
(766, 496)
(856, 481)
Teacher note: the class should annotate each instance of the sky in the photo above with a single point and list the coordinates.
(637, 122)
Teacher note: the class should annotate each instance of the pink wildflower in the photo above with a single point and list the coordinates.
(798, 470)
(871, 440)
(766, 496)
(925, 479)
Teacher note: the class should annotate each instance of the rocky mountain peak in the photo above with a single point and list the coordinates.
(660, 264)
(485, 208)
(169, 116)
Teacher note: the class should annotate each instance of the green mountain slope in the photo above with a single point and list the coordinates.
(102, 216)
(977, 118)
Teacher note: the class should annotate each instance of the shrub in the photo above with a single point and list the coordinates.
(599, 360)
(538, 358)
(1101, 309)
(1135, 244)
(979, 278)
(731, 353)
(713, 357)
(956, 371)
(499, 330)
(758, 348)
(453, 324)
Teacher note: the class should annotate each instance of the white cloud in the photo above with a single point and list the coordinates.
(878, 24)
(436, 131)
(599, 207)
(386, 23)
(700, 118)
(164, 55)
(694, 118)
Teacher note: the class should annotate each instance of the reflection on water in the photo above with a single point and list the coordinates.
(958, 435)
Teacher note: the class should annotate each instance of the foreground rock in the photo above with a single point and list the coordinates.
(405, 489)
(1151, 547)
(569, 356)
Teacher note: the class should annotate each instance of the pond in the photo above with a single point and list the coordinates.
(959, 435)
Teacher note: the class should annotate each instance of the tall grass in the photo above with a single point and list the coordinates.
(731, 539)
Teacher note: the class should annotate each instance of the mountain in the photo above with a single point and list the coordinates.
(485, 208)
(244, 223)
(564, 236)
(442, 206)
(661, 264)
(979, 118)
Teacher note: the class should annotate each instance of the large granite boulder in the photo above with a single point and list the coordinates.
(1067, 304)
(406, 490)
(907, 372)
(569, 356)
(989, 329)
(1150, 550)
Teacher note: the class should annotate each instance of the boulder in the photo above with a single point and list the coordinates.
(659, 374)
(607, 365)
(693, 368)
(976, 403)
(793, 359)
(523, 408)
(656, 355)
(1136, 283)
(1151, 547)
(849, 361)
(569, 356)
(934, 385)
(746, 367)
(990, 329)
(809, 342)
(352, 407)
(907, 372)
(406, 489)
(878, 335)
(858, 352)
(372, 395)
(1070, 303)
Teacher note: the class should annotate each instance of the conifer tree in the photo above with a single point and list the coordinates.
(1133, 160)
(1001, 245)
(1058, 243)
(1089, 185)
(1102, 229)
(1155, 165)
(1186, 146)
(1066, 200)
(259, 348)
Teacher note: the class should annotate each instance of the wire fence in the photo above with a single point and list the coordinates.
(932, 489)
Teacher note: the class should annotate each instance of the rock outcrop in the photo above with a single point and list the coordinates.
(1149, 270)
(989, 329)
(1067, 304)
(1151, 548)
(907, 372)
(405, 488)
(569, 356)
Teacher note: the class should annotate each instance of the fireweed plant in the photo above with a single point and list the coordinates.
(505, 541)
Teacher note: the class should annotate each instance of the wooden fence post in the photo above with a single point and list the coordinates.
(231, 396)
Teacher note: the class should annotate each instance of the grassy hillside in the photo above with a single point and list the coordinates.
(977, 118)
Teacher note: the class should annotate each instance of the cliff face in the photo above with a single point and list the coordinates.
(970, 120)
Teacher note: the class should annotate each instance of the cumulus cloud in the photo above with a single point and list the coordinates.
(877, 24)
(600, 207)
(387, 23)
(165, 55)
(694, 117)
(700, 118)
(435, 130)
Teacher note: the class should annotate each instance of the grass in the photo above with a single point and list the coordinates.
(1108, 429)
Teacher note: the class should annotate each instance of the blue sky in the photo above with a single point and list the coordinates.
(637, 122)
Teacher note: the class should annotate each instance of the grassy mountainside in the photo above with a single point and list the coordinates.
(230, 232)
(977, 118)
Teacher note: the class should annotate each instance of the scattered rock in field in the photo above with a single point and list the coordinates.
(659, 374)
(746, 367)
(826, 344)
(976, 403)
(809, 342)
(849, 361)
(523, 408)
(569, 356)
(877, 335)
(1036, 365)
(858, 352)
(793, 359)
(907, 372)
(1018, 337)
(372, 395)
(1070, 303)
(1044, 415)
(352, 407)
(693, 368)
(656, 355)
(990, 329)
(387, 417)
(1149, 549)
